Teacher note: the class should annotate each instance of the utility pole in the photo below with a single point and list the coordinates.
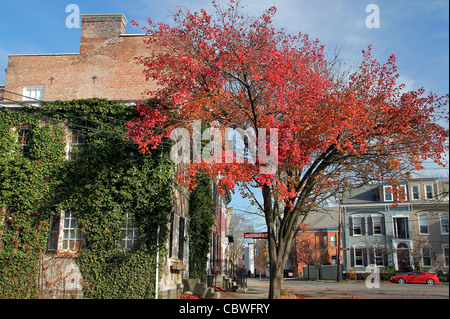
(339, 240)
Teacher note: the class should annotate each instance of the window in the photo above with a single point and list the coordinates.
(444, 224)
(356, 225)
(71, 237)
(387, 194)
(333, 259)
(130, 233)
(400, 194)
(415, 192)
(423, 225)
(426, 256)
(172, 221)
(325, 241)
(445, 252)
(333, 241)
(33, 93)
(24, 139)
(401, 229)
(77, 143)
(181, 238)
(429, 191)
(359, 256)
(5, 222)
(378, 255)
(376, 225)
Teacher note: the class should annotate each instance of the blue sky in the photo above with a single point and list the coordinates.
(416, 31)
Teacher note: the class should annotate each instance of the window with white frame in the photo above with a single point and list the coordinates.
(359, 256)
(429, 191)
(33, 93)
(444, 224)
(423, 225)
(388, 197)
(378, 255)
(77, 143)
(376, 225)
(71, 237)
(426, 256)
(389, 191)
(130, 233)
(333, 241)
(415, 192)
(356, 225)
(401, 227)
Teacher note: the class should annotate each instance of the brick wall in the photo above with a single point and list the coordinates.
(104, 68)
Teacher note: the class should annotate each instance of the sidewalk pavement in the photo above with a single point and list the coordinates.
(256, 290)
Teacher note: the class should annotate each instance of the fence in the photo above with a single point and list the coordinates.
(326, 272)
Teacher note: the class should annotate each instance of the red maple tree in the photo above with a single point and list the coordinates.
(242, 72)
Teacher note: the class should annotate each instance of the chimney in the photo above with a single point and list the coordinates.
(96, 29)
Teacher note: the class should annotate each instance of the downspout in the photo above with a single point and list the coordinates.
(157, 265)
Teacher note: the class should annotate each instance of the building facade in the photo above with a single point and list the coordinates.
(105, 67)
(318, 245)
(380, 231)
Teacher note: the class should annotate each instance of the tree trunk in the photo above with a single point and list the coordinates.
(276, 281)
(280, 242)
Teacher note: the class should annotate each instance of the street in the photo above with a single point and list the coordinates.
(352, 289)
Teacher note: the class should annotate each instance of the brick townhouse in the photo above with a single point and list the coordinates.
(105, 67)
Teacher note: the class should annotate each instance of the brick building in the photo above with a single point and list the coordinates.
(105, 67)
(319, 244)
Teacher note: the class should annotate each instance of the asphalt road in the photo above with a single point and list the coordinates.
(352, 289)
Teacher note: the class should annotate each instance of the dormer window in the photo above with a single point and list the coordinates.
(390, 193)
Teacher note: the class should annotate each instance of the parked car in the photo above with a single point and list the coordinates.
(416, 277)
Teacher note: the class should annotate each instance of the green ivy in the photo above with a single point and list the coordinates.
(108, 179)
(27, 183)
(201, 211)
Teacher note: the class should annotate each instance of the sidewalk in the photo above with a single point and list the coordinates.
(256, 290)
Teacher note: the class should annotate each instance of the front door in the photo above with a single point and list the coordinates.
(403, 261)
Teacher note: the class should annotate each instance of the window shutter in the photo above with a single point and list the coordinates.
(385, 257)
(364, 251)
(181, 238)
(383, 227)
(371, 255)
(363, 226)
(53, 236)
(171, 234)
(352, 256)
(350, 225)
(370, 225)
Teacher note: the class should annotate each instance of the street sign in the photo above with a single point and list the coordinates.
(255, 235)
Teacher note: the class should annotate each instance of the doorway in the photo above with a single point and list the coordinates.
(403, 257)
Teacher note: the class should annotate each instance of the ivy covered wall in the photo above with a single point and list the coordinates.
(201, 211)
(108, 180)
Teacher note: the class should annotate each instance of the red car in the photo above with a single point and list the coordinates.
(416, 277)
